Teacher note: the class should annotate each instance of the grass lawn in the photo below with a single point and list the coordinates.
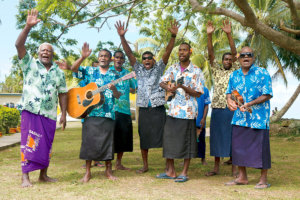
(66, 166)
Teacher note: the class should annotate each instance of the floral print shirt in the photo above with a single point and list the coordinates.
(221, 77)
(257, 82)
(41, 87)
(122, 104)
(184, 106)
(90, 74)
(149, 90)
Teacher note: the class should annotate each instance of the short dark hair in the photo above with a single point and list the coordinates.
(110, 54)
(225, 54)
(119, 51)
(186, 44)
(147, 52)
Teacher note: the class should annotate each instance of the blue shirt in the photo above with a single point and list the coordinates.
(92, 74)
(122, 104)
(202, 101)
(256, 83)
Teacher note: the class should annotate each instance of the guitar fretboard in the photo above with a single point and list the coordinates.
(104, 87)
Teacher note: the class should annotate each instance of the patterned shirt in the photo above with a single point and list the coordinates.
(148, 85)
(202, 101)
(41, 87)
(221, 77)
(184, 106)
(122, 104)
(251, 86)
(92, 74)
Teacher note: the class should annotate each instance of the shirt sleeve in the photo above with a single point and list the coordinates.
(24, 63)
(81, 73)
(62, 87)
(206, 96)
(198, 82)
(137, 66)
(133, 83)
(167, 76)
(267, 83)
(161, 66)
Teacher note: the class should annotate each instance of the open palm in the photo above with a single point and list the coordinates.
(32, 19)
(120, 28)
(209, 27)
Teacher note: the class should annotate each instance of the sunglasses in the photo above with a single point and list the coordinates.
(149, 58)
(248, 54)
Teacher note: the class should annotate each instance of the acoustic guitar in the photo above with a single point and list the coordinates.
(235, 96)
(81, 101)
(170, 95)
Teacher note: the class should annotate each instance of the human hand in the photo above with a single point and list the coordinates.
(209, 27)
(112, 87)
(63, 65)
(120, 28)
(32, 19)
(202, 123)
(226, 26)
(63, 122)
(86, 51)
(245, 107)
(231, 104)
(174, 27)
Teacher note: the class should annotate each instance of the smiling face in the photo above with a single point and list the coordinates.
(46, 54)
(246, 57)
(184, 53)
(104, 58)
(148, 61)
(119, 60)
(227, 61)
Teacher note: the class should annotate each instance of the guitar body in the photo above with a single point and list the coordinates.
(81, 101)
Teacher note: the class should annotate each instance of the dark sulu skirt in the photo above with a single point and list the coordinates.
(151, 126)
(220, 132)
(123, 138)
(180, 138)
(97, 139)
(251, 147)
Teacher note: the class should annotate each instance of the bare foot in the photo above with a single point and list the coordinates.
(212, 173)
(46, 178)
(142, 170)
(86, 178)
(203, 161)
(109, 175)
(25, 181)
(121, 167)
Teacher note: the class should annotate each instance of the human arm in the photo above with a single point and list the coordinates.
(261, 99)
(189, 90)
(120, 29)
(31, 21)
(227, 29)
(63, 65)
(63, 100)
(210, 30)
(86, 52)
(202, 122)
(173, 30)
(113, 88)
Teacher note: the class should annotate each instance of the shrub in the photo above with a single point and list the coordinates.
(9, 118)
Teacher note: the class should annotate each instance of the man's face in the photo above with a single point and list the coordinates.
(227, 61)
(45, 54)
(119, 60)
(246, 57)
(148, 61)
(104, 59)
(184, 53)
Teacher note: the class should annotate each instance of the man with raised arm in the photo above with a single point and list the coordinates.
(250, 131)
(98, 127)
(44, 83)
(220, 124)
(180, 137)
(150, 96)
(123, 138)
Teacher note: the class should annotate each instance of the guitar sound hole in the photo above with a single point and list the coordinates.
(89, 95)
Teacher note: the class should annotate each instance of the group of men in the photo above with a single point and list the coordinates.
(107, 129)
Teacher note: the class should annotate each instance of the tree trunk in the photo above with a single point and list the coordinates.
(285, 108)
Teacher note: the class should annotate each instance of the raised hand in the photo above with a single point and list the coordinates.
(121, 28)
(32, 19)
(63, 65)
(209, 27)
(86, 51)
(226, 26)
(174, 27)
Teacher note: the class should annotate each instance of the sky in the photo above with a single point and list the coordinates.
(9, 34)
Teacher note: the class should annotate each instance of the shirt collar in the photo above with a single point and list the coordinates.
(41, 65)
(189, 68)
(252, 69)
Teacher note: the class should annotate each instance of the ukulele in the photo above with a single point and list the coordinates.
(235, 96)
(170, 95)
(82, 100)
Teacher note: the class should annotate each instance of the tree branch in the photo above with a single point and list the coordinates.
(251, 21)
(294, 14)
(297, 4)
(288, 30)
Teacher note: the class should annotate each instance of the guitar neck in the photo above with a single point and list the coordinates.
(101, 89)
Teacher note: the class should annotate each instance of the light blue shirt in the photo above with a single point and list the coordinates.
(256, 83)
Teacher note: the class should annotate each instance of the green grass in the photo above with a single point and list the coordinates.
(66, 166)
